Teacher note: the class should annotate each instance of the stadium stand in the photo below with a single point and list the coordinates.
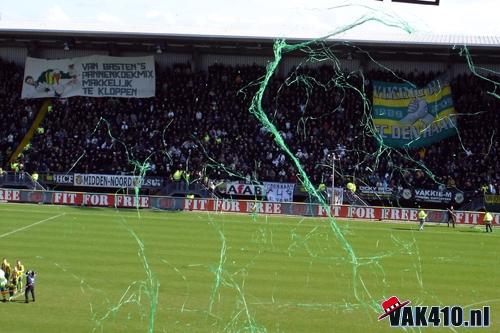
(199, 121)
(17, 115)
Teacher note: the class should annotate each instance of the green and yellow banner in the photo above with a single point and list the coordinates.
(408, 116)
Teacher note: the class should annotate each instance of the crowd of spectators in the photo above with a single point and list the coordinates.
(16, 114)
(199, 122)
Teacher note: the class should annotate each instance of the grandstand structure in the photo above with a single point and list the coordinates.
(249, 183)
(199, 121)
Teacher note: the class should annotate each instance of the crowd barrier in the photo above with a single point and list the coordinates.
(235, 206)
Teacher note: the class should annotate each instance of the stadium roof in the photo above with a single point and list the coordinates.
(453, 22)
(251, 27)
(23, 29)
(409, 47)
(356, 36)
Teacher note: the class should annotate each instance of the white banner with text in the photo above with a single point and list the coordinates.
(279, 192)
(92, 76)
(110, 181)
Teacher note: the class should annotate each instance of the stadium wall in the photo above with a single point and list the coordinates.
(289, 63)
(234, 206)
(58, 53)
(165, 59)
(18, 55)
(208, 60)
(14, 54)
(408, 67)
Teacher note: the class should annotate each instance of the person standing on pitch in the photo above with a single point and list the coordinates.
(488, 218)
(20, 272)
(30, 285)
(3, 285)
(451, 216)
(12, 286)
(421, 218)
(6, 268)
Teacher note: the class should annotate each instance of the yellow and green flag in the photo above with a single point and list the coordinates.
(408, 116)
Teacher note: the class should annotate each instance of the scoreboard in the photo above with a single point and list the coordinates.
(418, 2)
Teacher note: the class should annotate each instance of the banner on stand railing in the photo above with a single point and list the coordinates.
(279, 192)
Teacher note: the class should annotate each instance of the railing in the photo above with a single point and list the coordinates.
(354, 199)
(475, 204)
(411, 197)
(184, 188)
(19, 179)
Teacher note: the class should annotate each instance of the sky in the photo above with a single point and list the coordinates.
(269, 18)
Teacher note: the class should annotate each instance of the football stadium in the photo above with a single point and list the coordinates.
(321, 167)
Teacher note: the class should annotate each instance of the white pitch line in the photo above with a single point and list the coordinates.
(31, 225)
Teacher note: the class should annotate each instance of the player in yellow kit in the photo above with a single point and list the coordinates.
(20, 271)
(6, 268)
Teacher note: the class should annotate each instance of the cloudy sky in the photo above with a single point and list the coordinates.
(273, 18)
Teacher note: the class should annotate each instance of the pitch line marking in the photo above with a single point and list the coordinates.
(31, 225)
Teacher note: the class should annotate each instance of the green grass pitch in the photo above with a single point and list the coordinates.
(235, 273)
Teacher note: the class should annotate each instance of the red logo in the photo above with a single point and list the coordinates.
(391, 305)
(240, 188)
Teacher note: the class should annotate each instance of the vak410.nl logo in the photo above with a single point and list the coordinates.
(400, 314)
